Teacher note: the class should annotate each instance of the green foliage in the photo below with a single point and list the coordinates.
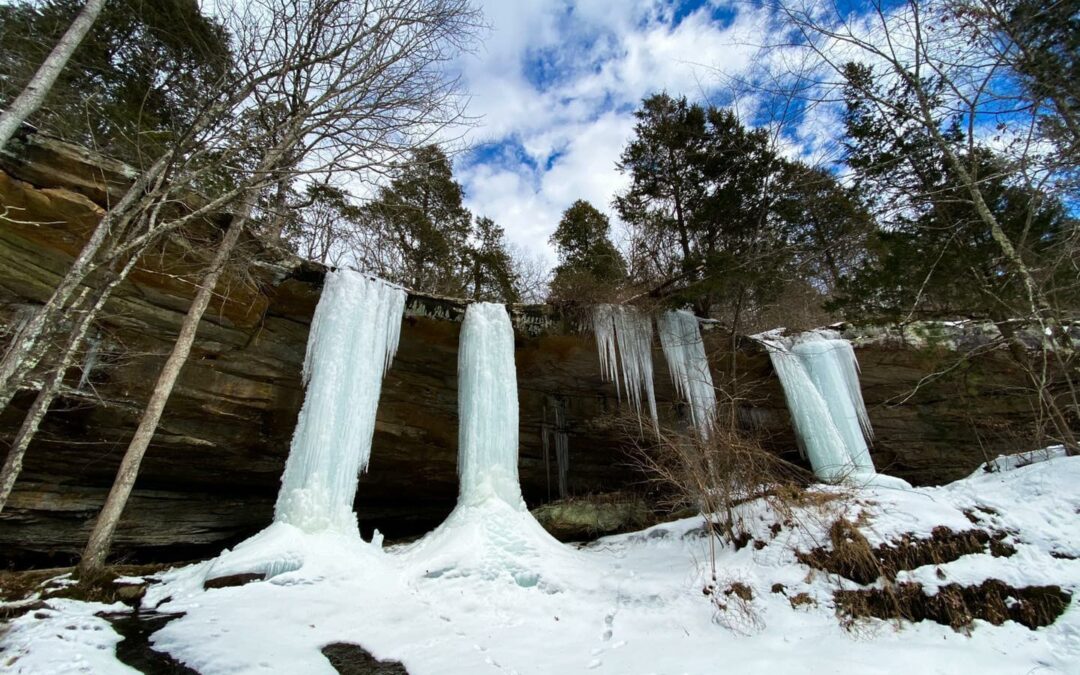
(136, 79)
(590, 267)
(429, 241)
(934, 254)
(582, 241)
(713, 205)
(493, 277)
(422, 216)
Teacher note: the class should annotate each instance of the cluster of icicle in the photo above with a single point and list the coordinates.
(624, 340)
(353, 339)
(487, 408)
(684, 350)
(820, 377)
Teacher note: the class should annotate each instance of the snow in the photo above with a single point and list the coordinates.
(491, 593)
(64, 637)
(680, 338)
(624, 341)
(820, 378)
(354, 335)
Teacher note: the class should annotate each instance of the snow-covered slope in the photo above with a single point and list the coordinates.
(627, 604)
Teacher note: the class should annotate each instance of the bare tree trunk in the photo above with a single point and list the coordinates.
(51, 386)
(26, 348)
(32, 96)
(97, 548)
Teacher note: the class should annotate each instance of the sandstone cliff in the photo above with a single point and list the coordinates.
(212, 472)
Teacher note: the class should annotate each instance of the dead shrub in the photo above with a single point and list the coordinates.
(956, 606)
(713, 475)
(852, 556)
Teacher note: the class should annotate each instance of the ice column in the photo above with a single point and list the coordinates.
(684, 350)
(819, 376)
(833, 369)
(487, 408)
(354, 335)
(624, 341)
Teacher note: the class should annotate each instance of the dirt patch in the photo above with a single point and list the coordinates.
(957, 606)
(852, 557)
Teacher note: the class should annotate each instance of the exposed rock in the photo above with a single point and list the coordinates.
(232, 580)
(584, 518)
(350, 659)
(212, 472)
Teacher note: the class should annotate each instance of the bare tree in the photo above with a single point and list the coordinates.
(927, 73)
(33, 95)
(384, 91)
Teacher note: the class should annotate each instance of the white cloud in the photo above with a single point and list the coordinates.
(558, 81)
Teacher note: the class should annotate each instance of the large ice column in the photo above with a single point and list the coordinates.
(819, 375)
(353, 339)
(684, 350)
(487, 407)
(624, 340)
(833, 369)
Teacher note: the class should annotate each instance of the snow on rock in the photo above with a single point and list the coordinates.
(680, 338)
(354, 335)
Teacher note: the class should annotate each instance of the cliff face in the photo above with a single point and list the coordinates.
(212, 472)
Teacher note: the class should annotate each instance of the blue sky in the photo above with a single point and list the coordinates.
(555, 84)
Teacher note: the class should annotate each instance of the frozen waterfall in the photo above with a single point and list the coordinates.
(624, 340)
(684, 350)
(354, 335)
(819, 375)
(487, 407)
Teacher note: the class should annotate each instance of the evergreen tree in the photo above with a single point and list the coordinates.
(493, 277)
(587, 259)
(934, 254)
(421, 215)
(133, 81)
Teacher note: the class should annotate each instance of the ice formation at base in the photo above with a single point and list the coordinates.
(487, 407)
(624, 340)
(819, 375)
(353, 339)
(490, 534)
(684, 350)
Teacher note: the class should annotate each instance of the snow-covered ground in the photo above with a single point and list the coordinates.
(490, 592)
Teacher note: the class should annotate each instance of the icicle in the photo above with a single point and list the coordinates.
(354, 335)
(684, 350)
(624, 330)
(831, 366)
(819, 375)
(487, 407)
(604, 330)
(93, 350)
(553, 434)
(562, 448)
